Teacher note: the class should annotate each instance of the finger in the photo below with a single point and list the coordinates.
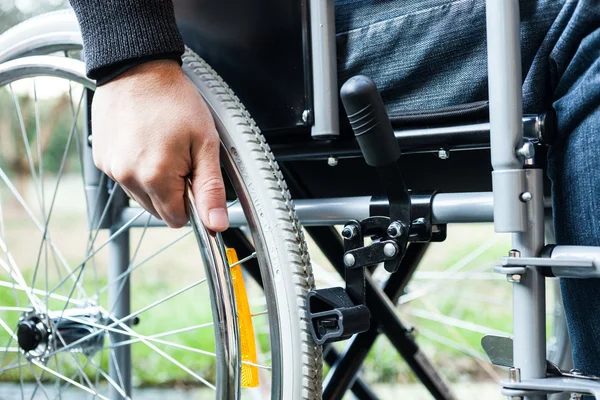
(144, 201)
(129, 184)
(169, 202)
(208, 186)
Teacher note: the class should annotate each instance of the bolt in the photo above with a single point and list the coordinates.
(305, 116)
(390, 250)
(90, 140)
(575, 371)
(349, 260)
(525, 197)
(349, 231)
(332, 161)
(514, 253)
(443, 154)
(514, 278)
(395, 229)
(526, 151)
(514, 375)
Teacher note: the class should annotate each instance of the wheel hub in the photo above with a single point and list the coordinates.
(77, 330)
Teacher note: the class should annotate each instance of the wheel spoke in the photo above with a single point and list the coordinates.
(132, 268)
(462, 263)
(71, 381)
(168, 357)
(39, 384)
(25, 139)
(122, 229)
(35, 221)
(133, 315)
(446, 320)
(61, 170)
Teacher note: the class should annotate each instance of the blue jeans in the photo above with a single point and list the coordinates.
(429, 54)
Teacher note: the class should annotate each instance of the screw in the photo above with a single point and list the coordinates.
(395, 229)
(349, 260)
(90, 140)
(525, 197)
(332, 161)
(514, 253)
(305, 116)
(526, 151)
(349, 231)
(390, 250)
(515, 278)
(443, 154)
(575, 371)
(514, 375)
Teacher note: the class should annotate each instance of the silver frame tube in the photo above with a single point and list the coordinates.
(448, 208)
(504, 80)
(324, 69)
(529, 298)
(525, 219)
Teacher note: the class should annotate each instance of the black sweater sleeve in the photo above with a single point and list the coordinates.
(119, 34)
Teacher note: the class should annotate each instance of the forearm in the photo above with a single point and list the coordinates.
(119, 34)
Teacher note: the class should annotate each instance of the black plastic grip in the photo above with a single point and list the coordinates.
(370, 122)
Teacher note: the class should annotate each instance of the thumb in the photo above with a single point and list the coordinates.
(208, 186)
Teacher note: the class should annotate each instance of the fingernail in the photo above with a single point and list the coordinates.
(217, 217)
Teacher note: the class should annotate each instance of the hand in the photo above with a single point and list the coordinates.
(151, 130)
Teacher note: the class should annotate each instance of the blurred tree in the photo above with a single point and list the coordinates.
(14, 11)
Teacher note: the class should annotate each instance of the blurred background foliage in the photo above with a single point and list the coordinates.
(15, 11)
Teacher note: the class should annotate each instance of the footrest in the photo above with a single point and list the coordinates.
(333, 317)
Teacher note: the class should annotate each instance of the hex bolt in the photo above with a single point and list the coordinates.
(349, 260)
(575, 371)
(514, 253)
(390, 250)
(526, 151)
(332, 161)
(443, 154)
(525, 197)
(514, 278)
(349, 231)
(395, 229)
(305, 116)
(514, 375)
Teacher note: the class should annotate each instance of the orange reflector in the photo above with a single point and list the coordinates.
(247, 340)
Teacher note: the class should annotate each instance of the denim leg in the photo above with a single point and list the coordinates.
(575, 172)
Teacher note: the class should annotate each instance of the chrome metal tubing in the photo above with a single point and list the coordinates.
(447, 208)
(222, 300)
(575, 252)
(119, 300)
(415, 141)
(504, 80)
(324, 69)
(529, 310)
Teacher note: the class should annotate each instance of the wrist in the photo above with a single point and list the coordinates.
(157, 71)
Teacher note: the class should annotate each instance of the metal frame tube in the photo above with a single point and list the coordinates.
(447, 208)
(529, 318)
(504, 79)
(324, 65)
(119, 300)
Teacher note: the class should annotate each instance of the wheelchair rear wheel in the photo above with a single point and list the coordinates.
(75, 294)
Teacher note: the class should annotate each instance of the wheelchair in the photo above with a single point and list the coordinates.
(74, 321)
